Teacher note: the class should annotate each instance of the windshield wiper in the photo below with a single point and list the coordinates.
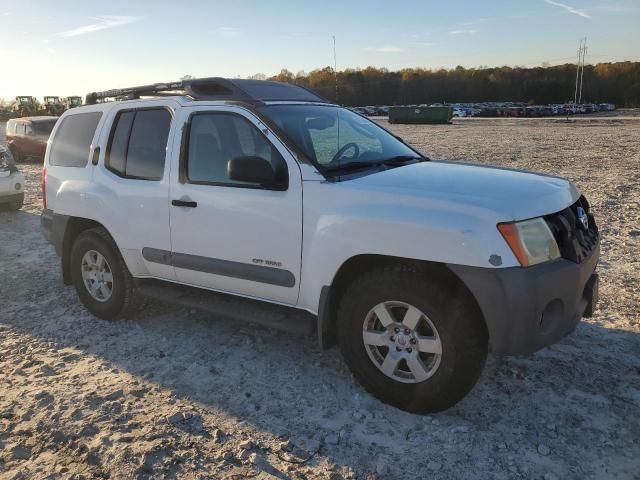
(352, 166)
(396, 161)
(400, 159)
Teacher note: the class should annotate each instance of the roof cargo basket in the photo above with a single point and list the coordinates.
(213, 89)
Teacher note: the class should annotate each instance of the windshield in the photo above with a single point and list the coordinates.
(335, 137)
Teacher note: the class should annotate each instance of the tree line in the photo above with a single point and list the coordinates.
(617, 83)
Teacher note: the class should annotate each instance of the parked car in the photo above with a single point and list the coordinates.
(11, 182)
(27, 137)
(262, 190)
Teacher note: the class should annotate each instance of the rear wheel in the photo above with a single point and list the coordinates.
(411, 341)
(101, 277)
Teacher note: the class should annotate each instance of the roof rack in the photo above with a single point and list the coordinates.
(213, 88)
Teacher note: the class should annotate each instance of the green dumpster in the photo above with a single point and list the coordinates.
(436, 114)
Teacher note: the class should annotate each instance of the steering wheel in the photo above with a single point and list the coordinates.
(346, 147)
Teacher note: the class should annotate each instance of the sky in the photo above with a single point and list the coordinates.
(68, 47)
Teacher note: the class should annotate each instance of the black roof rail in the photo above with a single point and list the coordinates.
(213, 88)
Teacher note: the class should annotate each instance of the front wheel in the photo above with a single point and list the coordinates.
(100, 276)
(15, 153)
(17, 203)
(411, 341)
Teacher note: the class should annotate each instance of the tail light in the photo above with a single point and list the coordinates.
(44, 187)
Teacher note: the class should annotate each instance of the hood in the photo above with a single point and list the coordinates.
(514, 194)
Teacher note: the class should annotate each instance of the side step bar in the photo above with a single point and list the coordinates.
(282, 318)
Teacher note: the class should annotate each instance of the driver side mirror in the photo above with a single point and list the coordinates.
(251, 169)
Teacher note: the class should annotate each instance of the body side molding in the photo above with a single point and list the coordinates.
(216, 266)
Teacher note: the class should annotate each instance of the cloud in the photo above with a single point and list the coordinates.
(104, 22)
(612, 9)
(423, 44)
(568, 8)
(229, 31)
(476, 21)
(482, 20)
(462, 32)
(390, 49)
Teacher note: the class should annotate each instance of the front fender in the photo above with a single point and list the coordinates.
(393, 226)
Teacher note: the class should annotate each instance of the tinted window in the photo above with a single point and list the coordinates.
(216, 138)
(44, 128)
(118, 149)
(73, 139)
(148, 144)
(139, 144)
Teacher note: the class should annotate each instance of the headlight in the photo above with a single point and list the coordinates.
(530, 240)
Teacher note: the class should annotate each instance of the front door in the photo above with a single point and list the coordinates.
(231, 236)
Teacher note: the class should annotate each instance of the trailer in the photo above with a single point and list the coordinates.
(421, 114)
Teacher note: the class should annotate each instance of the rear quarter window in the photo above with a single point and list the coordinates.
(71, 144)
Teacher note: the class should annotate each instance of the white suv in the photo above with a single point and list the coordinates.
(263, 190)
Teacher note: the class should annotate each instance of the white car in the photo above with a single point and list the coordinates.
(265, 191)
(11, 182)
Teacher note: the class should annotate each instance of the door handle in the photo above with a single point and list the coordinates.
(95, 156)
(184, 203)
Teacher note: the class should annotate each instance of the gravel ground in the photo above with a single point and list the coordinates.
(177, 393)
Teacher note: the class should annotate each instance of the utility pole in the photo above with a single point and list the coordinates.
(584, 54)
(335, 67)
(575, 95)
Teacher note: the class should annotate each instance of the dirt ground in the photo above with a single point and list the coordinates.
(177, 393)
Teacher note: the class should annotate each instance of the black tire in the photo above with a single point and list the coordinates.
(17, 204)
(124, 299)
(15, 153)
(461, 329)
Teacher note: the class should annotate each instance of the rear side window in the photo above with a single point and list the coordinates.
(138, 144)
(20, 129)
(72, 142)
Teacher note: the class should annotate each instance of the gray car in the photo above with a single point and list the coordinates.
(11, 182)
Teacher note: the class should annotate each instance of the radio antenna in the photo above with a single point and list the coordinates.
(335, 66)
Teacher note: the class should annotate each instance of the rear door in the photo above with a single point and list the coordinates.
(134, 169)
(31, 141)
(228, 236)
(20, 137)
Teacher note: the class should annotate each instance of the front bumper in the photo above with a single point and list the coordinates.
(527, 309)
(16, 197)
(8, 186)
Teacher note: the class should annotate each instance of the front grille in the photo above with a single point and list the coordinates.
(575, 243)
